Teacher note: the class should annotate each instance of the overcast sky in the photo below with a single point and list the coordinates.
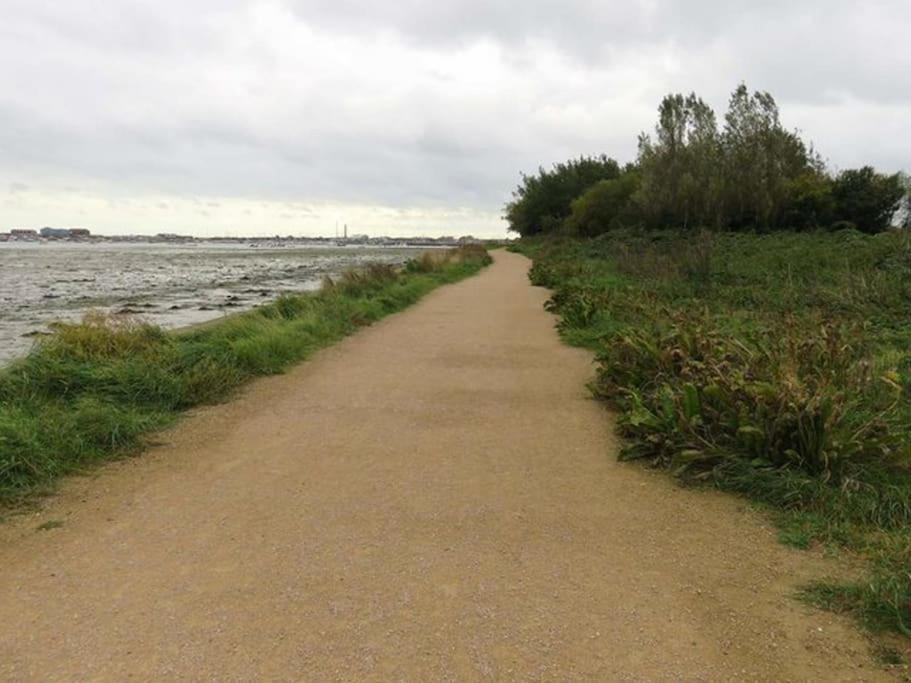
(285, 116)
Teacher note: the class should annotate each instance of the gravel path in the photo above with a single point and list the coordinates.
(435, 498)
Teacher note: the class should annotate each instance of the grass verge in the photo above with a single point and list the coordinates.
(774, 366)
(94, 390)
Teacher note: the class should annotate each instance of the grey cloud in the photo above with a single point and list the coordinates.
(804, 50)
(417, 104)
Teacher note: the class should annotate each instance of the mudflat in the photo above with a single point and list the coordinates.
(434, 498)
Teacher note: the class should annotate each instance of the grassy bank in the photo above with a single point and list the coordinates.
(93, 390)
(775, 366)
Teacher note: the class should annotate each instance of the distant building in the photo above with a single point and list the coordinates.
(55, 233)
(80, 232)
(23, 234)
(4, 237)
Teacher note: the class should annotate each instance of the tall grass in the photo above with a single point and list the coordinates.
(776, 366)
(93, 390)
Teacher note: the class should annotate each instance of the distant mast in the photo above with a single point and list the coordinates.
(346, 231)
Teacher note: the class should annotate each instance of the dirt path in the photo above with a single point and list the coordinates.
(435, 498)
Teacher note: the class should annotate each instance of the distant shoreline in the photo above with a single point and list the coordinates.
(274, 241)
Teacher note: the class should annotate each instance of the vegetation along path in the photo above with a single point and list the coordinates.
(434, 498)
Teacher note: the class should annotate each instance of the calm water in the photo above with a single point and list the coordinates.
(169, 285)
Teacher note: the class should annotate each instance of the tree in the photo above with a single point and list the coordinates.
(761, 161)
(751, 175)
(866, 198)
(543, 201)
(679, 167)
(605, 206)
(808, 202)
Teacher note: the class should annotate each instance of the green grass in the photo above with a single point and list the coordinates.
(775, 366)
(93, 391)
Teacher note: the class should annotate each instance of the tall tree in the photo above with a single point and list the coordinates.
(761, 159)
(679, 165)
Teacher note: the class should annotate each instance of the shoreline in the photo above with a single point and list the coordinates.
(171, 286)
(94, 390)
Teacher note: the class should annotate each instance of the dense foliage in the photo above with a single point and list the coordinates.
(605, 205)
(92, 390)
(543, 201)
(776, 366)
(750, 174)
(866, 198)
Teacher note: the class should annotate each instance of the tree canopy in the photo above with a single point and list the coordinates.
(543, 201)
(751, 173)
(866, 198)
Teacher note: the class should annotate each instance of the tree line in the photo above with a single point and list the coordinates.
(748, 174)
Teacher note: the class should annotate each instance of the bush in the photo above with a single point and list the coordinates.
(605, 206)
(866, 198)
(809, 203)
(543, 201)
(695, 397)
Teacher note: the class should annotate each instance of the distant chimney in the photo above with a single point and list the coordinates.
(346, 231)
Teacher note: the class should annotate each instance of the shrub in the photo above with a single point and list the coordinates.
(605, 206)
(809, 203)
(866, 198)
(542, 201)
(696, 397)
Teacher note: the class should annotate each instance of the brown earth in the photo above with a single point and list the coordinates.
(435, 498)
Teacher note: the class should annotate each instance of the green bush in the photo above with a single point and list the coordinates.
(866, 198)
(542, 201)
(605, 206)
(808, 202)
